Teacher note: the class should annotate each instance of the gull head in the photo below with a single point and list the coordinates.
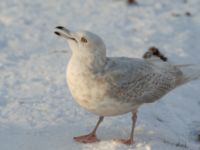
(83, 42)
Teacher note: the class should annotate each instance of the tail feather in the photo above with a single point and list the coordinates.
(189, 72)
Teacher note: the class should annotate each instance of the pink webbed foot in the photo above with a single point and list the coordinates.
(89, 138)
(125, 141)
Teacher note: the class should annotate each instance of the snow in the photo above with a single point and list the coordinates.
(37, 111)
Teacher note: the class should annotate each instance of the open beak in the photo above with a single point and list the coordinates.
(65, 33)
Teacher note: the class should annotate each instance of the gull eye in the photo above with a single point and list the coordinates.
(84, 40)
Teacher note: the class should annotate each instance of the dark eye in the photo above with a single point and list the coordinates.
(84, 40)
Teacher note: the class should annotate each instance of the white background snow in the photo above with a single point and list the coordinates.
(37, 111)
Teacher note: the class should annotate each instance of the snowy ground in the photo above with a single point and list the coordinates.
(36, 109)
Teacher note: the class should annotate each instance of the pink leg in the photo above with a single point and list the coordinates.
(91, 137)
(131, 139)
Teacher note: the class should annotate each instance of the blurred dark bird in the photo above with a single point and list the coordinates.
(131, 2)
(154, 52)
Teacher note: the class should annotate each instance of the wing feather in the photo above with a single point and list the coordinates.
(139, 81)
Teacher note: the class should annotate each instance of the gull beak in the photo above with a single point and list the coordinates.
(65, 33)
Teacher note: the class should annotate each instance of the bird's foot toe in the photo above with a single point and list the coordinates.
(124, 141)
(89, 138)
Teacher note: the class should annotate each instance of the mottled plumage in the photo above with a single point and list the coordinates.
(139, 81)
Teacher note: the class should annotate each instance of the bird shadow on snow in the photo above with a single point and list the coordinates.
(60, 137)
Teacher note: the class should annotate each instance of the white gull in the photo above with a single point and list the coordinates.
(109, 86)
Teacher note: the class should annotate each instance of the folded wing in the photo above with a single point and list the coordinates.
(139, 81)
